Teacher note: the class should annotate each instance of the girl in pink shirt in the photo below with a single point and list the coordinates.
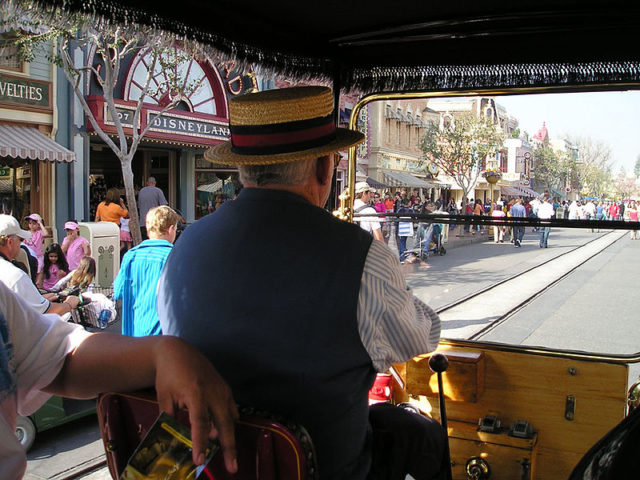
(55, 266)
(74, 246)
(36, 243)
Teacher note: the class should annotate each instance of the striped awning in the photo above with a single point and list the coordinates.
(28, 143)
(519, 191)
(396, 178)
(511, 191)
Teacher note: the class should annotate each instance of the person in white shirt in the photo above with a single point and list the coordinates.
(11, 236)
(362, 205)
(590, 210)
(545, 212)
(41, 356)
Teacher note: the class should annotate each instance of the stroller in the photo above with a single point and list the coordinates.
(430, 240)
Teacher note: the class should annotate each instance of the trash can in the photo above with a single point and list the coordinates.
(104, 239)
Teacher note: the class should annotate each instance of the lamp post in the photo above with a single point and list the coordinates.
(492, 178)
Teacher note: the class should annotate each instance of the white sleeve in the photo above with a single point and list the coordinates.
(394, 325)
(39, 344)
(62, 283)
(26, 290)
(373, 221)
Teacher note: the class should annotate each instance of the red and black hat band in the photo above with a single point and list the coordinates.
(285, 137)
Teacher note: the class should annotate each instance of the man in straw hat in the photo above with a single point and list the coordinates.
(362, 204)
(309, 307)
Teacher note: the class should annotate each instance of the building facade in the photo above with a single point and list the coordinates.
(32, 146)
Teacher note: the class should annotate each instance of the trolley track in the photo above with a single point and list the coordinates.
(465, 298)
(465, 309)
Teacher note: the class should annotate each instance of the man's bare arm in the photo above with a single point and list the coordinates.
(182, 376)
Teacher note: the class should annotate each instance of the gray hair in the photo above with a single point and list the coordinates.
(292, 173)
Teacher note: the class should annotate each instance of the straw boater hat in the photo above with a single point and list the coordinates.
(282, 126)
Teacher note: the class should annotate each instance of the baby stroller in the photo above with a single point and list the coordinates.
(430, 240)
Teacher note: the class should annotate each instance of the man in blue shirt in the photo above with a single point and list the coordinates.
(518, 211)
(137, 281)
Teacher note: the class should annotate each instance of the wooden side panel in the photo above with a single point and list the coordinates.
(513, 458)
(535, 388)
(466, 367)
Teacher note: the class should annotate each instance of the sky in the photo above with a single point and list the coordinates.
(611, 117)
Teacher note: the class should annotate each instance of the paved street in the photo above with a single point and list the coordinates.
(556, 318)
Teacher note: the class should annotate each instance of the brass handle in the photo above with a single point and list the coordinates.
(477, 469)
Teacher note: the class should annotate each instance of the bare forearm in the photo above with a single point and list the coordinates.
(182, 376)
(105, 362)
(58, 308)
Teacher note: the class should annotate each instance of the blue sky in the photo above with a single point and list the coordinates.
(611, 117)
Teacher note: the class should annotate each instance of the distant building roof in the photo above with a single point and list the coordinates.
(542, 135)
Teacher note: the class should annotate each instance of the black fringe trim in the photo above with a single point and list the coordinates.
(452, 77)
(366, 79)
(277, 63)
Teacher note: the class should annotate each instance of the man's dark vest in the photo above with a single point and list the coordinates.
(267, 288)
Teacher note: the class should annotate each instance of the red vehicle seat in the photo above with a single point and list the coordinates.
(269, 447)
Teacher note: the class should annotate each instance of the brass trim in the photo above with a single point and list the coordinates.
(372, 97)
(543, 351)
(570, 408)
(351, 181)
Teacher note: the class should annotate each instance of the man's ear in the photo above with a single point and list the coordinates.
(324, 169)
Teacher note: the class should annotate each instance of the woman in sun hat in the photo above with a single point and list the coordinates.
(74, 246)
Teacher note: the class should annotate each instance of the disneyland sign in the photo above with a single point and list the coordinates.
(174, 123)
(178, 126)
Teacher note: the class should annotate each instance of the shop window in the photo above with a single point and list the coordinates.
(15, 189)
(8, 53)
(214, 186)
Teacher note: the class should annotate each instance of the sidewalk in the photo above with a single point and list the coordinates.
(455, 241)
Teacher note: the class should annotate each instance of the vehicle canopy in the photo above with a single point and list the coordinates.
(373, 46)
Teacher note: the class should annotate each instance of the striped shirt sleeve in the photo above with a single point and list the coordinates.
(394, 325)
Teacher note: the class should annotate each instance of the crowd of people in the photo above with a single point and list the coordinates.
(368, 201)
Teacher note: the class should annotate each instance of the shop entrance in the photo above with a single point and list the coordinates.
(25, 188)
(105, 172)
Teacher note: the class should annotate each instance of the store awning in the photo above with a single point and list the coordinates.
(511, 191)
(375, 183)
(28, 143)
(528, 192)
(519, 191)
(558, 193)
(402, 179)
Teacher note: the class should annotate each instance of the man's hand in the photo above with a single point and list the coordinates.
(185, 378)
(52, 297)
(72, 301)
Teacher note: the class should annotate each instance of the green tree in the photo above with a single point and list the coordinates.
(110, 44)
(591, 169)
(549, 167)
(460, 147)
(636, 169)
